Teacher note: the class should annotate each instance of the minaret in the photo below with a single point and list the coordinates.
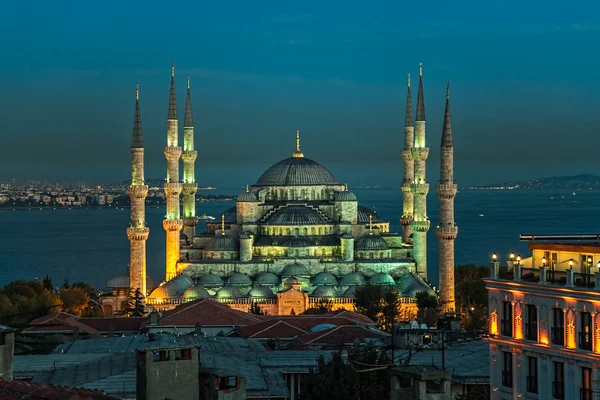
(447, 230)
(138, 190)
(190, 187)
(420, 188)
(173, 187)
(409, 168)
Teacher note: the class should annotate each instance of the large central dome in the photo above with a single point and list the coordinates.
(296, 171)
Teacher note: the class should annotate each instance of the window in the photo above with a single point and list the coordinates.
(506, 328)
(531, 329)
(558, 385)
(585, 331)
(507, 370)
(586, 383)
(532, 375)
(228, 382)
(558, 327)
(162, 355)
(2, 339)
(183, 354)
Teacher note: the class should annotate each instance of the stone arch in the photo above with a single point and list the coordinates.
(320, 230)
(297, 231)
(313, 231)
(371, 255)
(107, 309)
(312, 194)
(305, 231)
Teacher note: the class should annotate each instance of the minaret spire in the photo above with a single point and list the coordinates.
(172, 96)
(138, 190)
(420, 223)
(447, 230)
(297, 153)
(189, 155)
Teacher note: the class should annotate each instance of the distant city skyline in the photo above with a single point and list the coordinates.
(525, 87)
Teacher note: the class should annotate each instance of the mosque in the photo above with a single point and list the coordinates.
(295, 239)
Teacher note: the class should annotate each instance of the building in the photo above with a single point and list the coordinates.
(7, 348)
(297, 237)
(545, 323)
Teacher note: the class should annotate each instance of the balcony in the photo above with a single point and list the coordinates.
(557, 335)
(586, 394)
(558, 390)
(532, 384)
(506, 327)
(585, 341)
(531, 331)
(507, 379)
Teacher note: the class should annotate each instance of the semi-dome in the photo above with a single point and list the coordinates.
(344, 196)
(229, 292)
(410, 285)
(324, 278)
(261, 292)
(297, 215)
(382, 278)
(295, 269)
(364, 213)
(346, 236)
(196, 292)
(267, 279)
(239, 279)
(324, 291)
(210, 280)
(292, 281)
(178, 285)
(296, 171)
(224, 243)
(352, 278)
(371, 242)
(230, 215)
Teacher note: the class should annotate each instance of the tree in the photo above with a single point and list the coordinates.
(74, 300)
(23, 301)
(255, 309)
(427, 305)
(390, 306)
(471, 296)
(48, 283)
(380, 303)
(340, 378)
(324, 306)
(367, 300)
(135, 304)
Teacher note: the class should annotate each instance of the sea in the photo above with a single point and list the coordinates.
(91, 245)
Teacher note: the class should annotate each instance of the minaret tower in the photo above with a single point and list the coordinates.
(190, 187)
(447, 230)
(420, 187)
(409, 168)
(173, 187)
(138, 190)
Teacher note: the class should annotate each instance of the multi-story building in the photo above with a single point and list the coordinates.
(545, 324)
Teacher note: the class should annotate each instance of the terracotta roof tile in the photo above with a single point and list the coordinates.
(340, 335)
(22, 389)
(59, 321)
(206, 313)
(271, 329)
(119, 324)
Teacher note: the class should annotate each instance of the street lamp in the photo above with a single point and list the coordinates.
(571, 263)
(519, 260)
(512, 256)
(543, 261)
(494, 257)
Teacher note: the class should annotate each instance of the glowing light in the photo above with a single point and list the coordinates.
(472, 308)
(494, 323)
(543, 261)
(518, 259)
(494, 257)
(571, 263)
(512, 256)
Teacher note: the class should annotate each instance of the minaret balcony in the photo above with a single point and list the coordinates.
(446, 232)
(172, 225)
(137, 191)
(189, 156)
(405, 220)
(173, 188)
(420, 153)
(190, 221)
(405, 186)
(407, 155)
(172, 153)
(420, 226)
(189, 189)
(420, 189)
(446, 190)
(138, 233)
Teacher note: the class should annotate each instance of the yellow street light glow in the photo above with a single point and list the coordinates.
(512, 256)
(494, 257)
(571, 263)
(544, 261)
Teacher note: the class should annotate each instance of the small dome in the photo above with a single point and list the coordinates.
(352, 278)
(121, 281)
(229, 292)
(382, 278)
(176, 286)
(210, 280)
(163, 292)
(344, 196)
(410, 284)
(371, 242)
(245, 235)
(247, 196)
(346, 236)
(324, 291)
(350, 291)
(239, 279)
(267, 279)
(292, 281)
(262, 292)
(224, 243)
(296, 241)
(196, 292)
(324, 278)
(297, 215)
(295, 269)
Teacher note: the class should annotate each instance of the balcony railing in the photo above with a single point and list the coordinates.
(585, 341)
(507, 379)
(531, 331)
(506, 327)
(586, 394)
(532, 384)
(558, 390)
(582, 280)
(557, 335)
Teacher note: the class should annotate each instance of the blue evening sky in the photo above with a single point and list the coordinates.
(525, 80)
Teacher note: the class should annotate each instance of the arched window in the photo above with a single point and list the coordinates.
(305, 231)
(313, 231)
(320, 230)
(312, 194)
(370, 255)
(297, 231)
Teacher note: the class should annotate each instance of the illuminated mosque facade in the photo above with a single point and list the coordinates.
(295, 239)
